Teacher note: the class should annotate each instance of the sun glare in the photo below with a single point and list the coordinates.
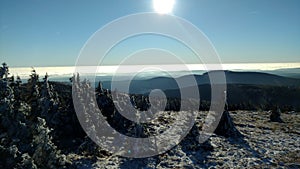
(163, 6)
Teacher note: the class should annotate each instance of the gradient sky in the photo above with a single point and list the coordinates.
(52, 32)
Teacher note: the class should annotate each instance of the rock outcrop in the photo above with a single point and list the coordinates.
(275, 115)
(226, 127)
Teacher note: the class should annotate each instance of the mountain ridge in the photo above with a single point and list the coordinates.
(167, 83)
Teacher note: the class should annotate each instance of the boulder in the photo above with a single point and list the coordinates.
(226, 127)
(275, 116)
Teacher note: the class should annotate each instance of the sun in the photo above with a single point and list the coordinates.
(163, 6)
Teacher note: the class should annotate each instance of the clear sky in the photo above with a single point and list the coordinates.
(52, 32)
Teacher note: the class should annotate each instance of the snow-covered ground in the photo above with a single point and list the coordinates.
(264, 145)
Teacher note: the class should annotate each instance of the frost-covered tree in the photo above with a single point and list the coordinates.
(6, 96)
(6, 102)
(48, 102)
(17, 91)
(4, 71)
(46, 154)
(13, 124)
(6, 106)
(33, 94)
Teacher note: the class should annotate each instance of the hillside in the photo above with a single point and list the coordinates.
(246, 78)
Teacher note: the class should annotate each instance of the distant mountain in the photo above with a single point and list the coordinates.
(290, 72)
(144, 86)
(256, 78)
(245, 96)
(167, 83)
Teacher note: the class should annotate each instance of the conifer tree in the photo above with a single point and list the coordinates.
(4, 71)
(33, 94)
(46, 154)
(45, 100)
(6, 104)
(12, 123)
(17, 93)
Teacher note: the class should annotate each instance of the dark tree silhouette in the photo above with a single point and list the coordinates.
(4, 71)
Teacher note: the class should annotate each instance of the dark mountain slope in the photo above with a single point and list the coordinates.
(167, 83)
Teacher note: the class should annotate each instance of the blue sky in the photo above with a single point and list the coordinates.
(51, 33)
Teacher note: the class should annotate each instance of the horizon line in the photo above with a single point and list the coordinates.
(251, 63)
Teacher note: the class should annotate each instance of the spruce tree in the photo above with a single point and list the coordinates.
(12, 124)
(46, 154)
(4, 71)
(33, 95)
